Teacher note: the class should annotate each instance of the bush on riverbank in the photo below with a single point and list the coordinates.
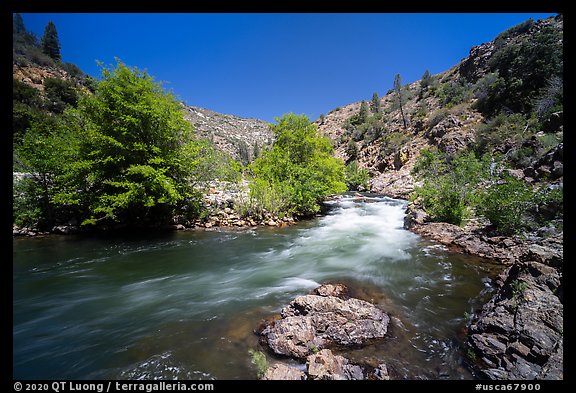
(460, 186)
(298, 171)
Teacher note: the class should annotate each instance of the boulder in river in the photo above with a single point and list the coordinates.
(314, 322)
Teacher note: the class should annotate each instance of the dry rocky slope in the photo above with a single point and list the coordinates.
(518, 334)
(389, 159)
(35, 75)
(239, 137)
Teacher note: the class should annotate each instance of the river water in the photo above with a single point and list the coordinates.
(183, 305)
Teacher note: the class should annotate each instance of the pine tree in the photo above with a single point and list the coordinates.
(363, 113)
(375, 103)
(18, 24)
(426, 80)
(50, 42)
(398, 90)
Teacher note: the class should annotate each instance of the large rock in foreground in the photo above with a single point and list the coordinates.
(519, 332)
(314, 322)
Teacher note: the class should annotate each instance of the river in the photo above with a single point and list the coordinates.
(183, 305)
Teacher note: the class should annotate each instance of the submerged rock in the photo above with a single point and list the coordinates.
(337, 290)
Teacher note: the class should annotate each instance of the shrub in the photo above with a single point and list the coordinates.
(392, 142)
(549, 205)
(420, 111)
(352, 150)
(436, 117)
(449, 189)
(513, 31)
(548, 141)
(23, 116)
(443, 200)
(502, 132)
(59, 94)
(356, 177)
(506, 203)
(454, 92)
(73, 70)
(524, 68)
(518, 288)
(24, 93)
(551, 99)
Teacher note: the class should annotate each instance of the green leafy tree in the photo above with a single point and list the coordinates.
(50, 42)
(43, 154)
(398, 91)
(137, 160)
(59, 93)
(299, 169)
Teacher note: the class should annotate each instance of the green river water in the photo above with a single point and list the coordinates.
(183, 305)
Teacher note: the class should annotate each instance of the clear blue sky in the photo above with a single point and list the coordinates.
(264, 65)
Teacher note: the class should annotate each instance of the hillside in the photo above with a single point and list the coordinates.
(239, 137)
(444, 112)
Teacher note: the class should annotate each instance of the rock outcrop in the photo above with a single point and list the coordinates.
(518, 334)
(472, 239)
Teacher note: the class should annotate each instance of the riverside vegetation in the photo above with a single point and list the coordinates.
(478, 151)
(122, 154)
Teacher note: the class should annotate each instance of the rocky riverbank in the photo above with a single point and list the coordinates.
(224, 205)
(518, 333)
